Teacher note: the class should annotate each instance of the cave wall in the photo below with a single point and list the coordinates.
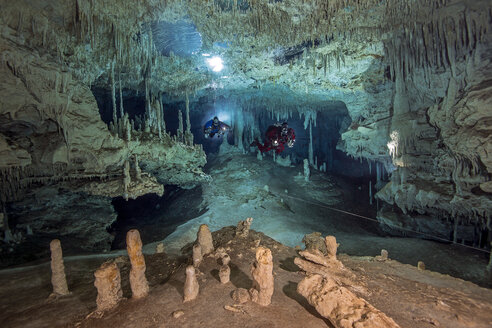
(440, 133)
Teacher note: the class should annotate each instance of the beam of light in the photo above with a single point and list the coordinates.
(215, 63)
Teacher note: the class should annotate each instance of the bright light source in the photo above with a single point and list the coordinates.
(206, 55)
(215, 63)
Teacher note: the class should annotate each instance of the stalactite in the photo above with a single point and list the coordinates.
(122, 111)
(188, 134)
(370, 192)
(180, 134)
(113, 95)
(158, 105)
(163, 121)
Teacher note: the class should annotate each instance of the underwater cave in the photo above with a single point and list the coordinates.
(224, 163)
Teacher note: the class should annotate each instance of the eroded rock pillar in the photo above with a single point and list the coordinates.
(58, 278)
(191, 287)
(204, 239)
(138, 281)
(262, 272)
(108, 284)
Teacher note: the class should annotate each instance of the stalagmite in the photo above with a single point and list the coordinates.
(138, 281)
(58, 278)
(225, 270)
(331, 247)
(188, 134)
(113, 95)
(242, 229)
(191, 287)
(122, 111)
(159, 248)
(421, 265)
(204, 239)
(262, 273)
(108, 284)
(197, 255)
(306, 170)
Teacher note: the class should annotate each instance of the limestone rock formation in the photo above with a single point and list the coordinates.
(225, 274)
(159, 248)
(225, 270)
(138, 281)
(331, 247)
(242, 229)
(324, 288)
(262, 273)
(341, 306)
(197, 255)
(314, 241)
(204, 239)
(58, 278)
(241, 295)
(108, 284)
(191, 287)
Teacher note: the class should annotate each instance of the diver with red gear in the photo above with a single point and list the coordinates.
(276, 137)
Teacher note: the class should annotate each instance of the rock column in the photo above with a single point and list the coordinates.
(242, 229)
(108, 284)
(58, 278)
(204, 239)
(197, 255)
(138, 282)
(262, 272)
(225, 270)
(191, 286)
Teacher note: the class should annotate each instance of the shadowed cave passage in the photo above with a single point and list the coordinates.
(155, 217)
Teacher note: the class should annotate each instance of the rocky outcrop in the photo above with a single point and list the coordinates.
(326, 287)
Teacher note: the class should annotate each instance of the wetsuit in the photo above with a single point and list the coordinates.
(275, 140)
(211, 129)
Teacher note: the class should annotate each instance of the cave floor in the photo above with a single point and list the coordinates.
(411, 297)
(289, 208)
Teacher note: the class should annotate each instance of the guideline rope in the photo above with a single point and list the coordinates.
(375, 220)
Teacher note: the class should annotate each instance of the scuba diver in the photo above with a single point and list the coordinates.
(214, 126)
(276, 137)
